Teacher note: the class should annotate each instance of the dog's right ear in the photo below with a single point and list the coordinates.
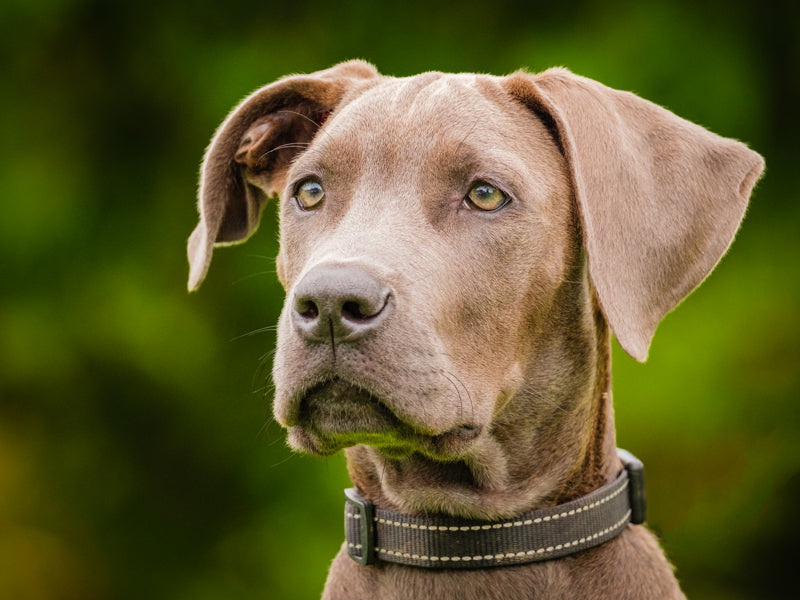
(247, 160)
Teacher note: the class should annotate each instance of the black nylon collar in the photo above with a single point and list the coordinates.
(442, 542)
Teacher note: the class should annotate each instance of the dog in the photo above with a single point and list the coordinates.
(457, 250)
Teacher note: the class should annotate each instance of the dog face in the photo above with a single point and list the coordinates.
(459, 214)
(452, 248)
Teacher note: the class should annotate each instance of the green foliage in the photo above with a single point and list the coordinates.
(138, 457)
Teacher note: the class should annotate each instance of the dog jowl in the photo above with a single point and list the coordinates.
(456, 252)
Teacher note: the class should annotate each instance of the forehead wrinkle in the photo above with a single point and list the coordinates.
(449, 98)
(411, 94)
(441, 124)
(401, 100)
(423, 127)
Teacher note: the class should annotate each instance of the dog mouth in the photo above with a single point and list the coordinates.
(337, 414)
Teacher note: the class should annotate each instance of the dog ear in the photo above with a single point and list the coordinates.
(660, 198)
(248, 157)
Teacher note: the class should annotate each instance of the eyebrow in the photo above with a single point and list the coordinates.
(468, 162)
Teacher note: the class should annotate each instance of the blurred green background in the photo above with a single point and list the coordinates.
(137, 454)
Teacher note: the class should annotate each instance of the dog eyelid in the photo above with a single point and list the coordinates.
(308, 194)
(486, 197)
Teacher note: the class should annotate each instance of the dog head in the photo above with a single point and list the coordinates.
(445, 240)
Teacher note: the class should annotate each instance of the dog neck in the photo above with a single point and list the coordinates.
(552, 441)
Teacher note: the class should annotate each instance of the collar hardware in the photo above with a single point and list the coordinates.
(636, 488)
(443, 542)
(360, 514)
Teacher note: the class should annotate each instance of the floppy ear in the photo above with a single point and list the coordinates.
(246, 162)
(659, 198)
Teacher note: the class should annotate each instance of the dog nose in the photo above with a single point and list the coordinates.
(339, 302)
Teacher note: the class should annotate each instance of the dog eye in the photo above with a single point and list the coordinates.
(486, 197)
(309, 194)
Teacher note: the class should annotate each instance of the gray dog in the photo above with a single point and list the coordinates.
(456, 251)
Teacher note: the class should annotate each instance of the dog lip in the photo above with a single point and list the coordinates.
(466, 432)
(455, 441)
(398, 446)
(304, 440)
(338, 406)
(336, 413)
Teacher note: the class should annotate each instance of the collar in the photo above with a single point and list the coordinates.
(442, 542)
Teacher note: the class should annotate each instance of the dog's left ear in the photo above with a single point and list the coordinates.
(247, 159)
(660, 198)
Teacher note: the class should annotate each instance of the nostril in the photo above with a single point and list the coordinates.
(352, 310)
(307, 309)
(339, 303)
(362, 310)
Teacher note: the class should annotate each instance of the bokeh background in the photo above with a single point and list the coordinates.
(137, 454)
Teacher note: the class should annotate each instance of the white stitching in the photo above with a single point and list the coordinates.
(594, 504)
(539, 551)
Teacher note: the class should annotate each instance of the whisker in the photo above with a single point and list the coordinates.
(263, 366)
(282, 146)
(251, 255)
(255, 332)
(299, 114)
(447, 375)
(309, 119)
(540, 396)
(252, 276)
(264, 428)
(289, 457)
(469, 395)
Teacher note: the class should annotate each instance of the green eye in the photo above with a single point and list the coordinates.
(309, 194)
(484, 196)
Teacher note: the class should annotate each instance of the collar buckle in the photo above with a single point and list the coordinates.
(636, 490)
(360, 526)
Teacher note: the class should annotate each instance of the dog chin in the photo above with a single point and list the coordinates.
(307, 441)
(336, 414)
(303, 440)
